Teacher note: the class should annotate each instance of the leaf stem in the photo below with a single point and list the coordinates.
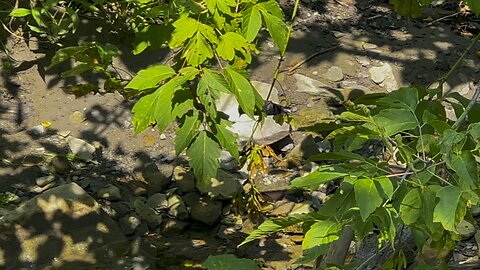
(467, 110)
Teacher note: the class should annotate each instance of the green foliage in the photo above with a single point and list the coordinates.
(229, 261)
(413, 8)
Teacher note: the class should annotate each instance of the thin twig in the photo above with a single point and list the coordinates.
(292, 70)
(442, 18)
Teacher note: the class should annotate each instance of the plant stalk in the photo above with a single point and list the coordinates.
(468, 109)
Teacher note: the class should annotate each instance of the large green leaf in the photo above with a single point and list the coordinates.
(185, 28)
(322, 232)
(466, 168)
(20, 12)
(278, 30)
(204, 155)
(406, 98)
(274, 225)
(367, 196)
(150, 77)
(410, 209)
(474, 6)
(197, 50)
(395, 120)
(451, 141)
(322, 175)
(407, 8)
(187, 131)
(450, 209)
(229, 261)
(243, 91)
(229, 43)
(152, 35)
(227, 138)
(252, 22)
(158, 107)
(384, 186)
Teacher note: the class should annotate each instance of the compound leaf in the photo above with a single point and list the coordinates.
(204, 155)
(150, 77)
(367, 197)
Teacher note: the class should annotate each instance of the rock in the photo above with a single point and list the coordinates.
(152, 218)
(465, 229)
(76, 117)
(109, 192)
(184, 179)
(225, 232)
(311, 86)
(9, 197)
(64, 133)
(203, 209)
(44, 180)
(305, 147)
(302, 208)
(334, 74)
(39, 189)
(149, 140)
(227, 162)
(129, 224)
(283, 208)
(81, 148)
(67, 227)
(475, 211)
(224, 186)
(383, 76)
(59, 165)
(122, 208)
(157, 202)
(270, 132)
(153, 178)
(318, 198)
(143, 255)
(275, 180)
(177, 208)
(38, 130)
(173, 227)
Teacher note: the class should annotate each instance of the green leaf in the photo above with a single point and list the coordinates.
(278, 30)
(337, 155)
(251, 24)
(321, 233)
(353, 117)
(311, 254)
(204, 155)
(227, 138)
(20, 12)
(158, 107)
(67, 53)
(449, 209)
(395, 120)
(451, 141)
(407, 8)
(243, 91)
(466, 168)
(215, 81)
(150, 77)
(367, 197)
(429, 201)
(474, 6)
(229, 43)
(274, 225)
(197, 50)
(410, 209)
(185, 28)
(152, 35)
(406, 98)
(229, 261)
(77, 70)
(187, 131)
(384, 186)
(322, 175)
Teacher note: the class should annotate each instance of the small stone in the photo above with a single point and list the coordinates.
(296, 238)
(152, 218)
(163, 137)
(128, 224)
(311, 86)
(157, 201)
(177, 208)
(475, 211)
(59, 165)
(109, 192)
(38, 130)
(173, 227)
(152, 178)
(81, 148)
(184, 179)
(335, 74)
(149, 140)
(283, 209)
(224, 186)
(315, 73)
(44, 180)
(384, 77)
(318, 198)
(465, 229)
(302, 208)
(12, 198)
(225, 232)
(76, 117)
(64, 133)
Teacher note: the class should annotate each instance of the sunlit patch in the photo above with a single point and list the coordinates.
(30, 247)
(101, 227)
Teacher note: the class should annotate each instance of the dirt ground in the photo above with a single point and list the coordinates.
(354, 35)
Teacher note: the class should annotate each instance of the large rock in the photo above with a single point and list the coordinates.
(63, 228)
(311, 86)
(151, 178)
(81, 148)
(150, 216)
(268, 133)
(224, 186)
(383, 76)
(203, 209)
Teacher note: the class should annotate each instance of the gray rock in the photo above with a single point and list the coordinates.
(152, 218)
(275, 180)
(59, 165)
(109, 192)
(129, 224)
(38, 130)
(44, 180)
(226, 232)
(173, 227)
(143, 255)
(122, 208)
(383, 76)
(318, 198)
(466, 229)
(334, 74)
(224, 186)
(157, 202)
(151, 178)
(184, 179)
(177, 208)
(76, 117)
(203, 209)
(81, 148)
(302, 208)
(311, 86)
(227, 162)
(70, 228)
(283, 208)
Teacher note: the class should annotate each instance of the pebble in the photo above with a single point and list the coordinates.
(184, 179)
(203, 209)
(383, 76)
(128, 224)
(163, 137)
(465, 229)
(157, 201)
(81, 148)
(59, 165)
(64, 133)
(149, 140)
(335, 74)
(38, 130)
(44, 180)
(302, 208)
(76, 117)
(283, 208)
(109, 192)
(177, 207)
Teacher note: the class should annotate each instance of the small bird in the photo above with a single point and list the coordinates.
(271, 108)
